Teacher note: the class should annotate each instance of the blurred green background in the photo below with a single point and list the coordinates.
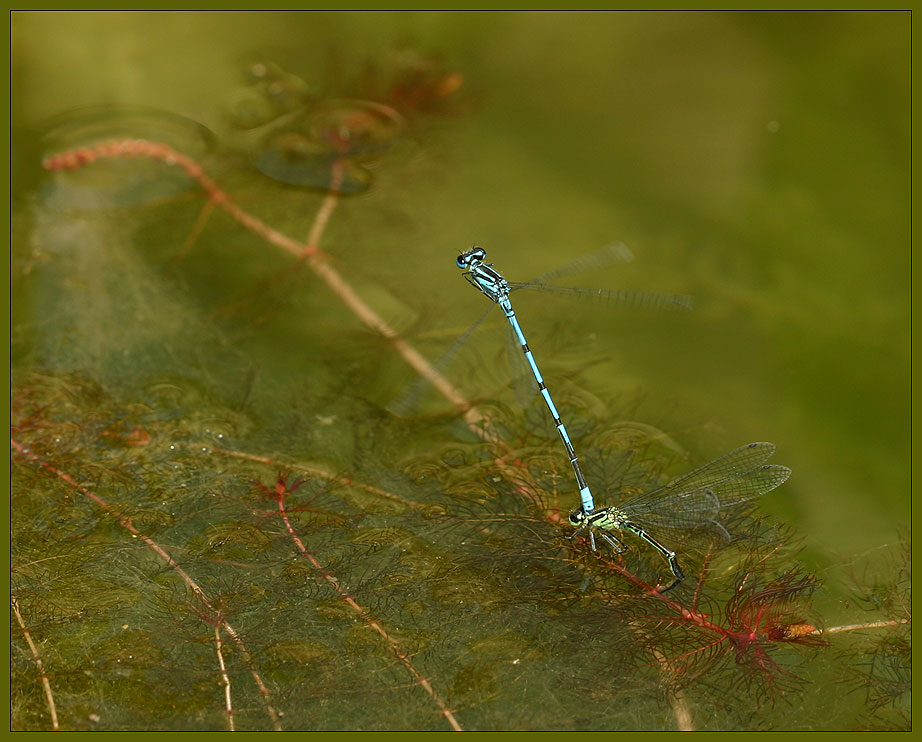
(757, 161)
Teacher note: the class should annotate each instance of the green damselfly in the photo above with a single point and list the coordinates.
(690, 501)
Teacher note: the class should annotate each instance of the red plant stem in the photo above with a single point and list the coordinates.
(684, 614)
(75, 158)
(395, 648)
(126, 523)
(46, 683)
(307, 470)
(311, 252)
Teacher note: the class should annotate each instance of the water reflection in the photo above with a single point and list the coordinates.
(295, 137)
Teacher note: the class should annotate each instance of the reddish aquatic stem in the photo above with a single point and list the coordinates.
(280, 492)
(308, 470)
(119, 148)
(309, 251)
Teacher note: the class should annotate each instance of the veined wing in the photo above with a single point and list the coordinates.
(751, 485)
(614, 253)
(731, 479)
(617, 252)
(641, 299)
(704, 505)
(679, 510)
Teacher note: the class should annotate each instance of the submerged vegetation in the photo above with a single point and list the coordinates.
(213, 529)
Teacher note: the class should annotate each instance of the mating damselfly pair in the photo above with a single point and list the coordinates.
(688, 502)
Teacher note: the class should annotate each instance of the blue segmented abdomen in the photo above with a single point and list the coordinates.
(584, 492)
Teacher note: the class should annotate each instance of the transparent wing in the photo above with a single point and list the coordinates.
(685, 510)
(640, 299)
(616, 252)
(734, 478)
(752, 485)
(725, 468)
(703, 506)
(406, 403)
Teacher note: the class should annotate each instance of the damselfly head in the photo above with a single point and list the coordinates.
(472, 256)
(577, 517)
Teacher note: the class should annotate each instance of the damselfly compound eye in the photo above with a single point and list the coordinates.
(474, 255)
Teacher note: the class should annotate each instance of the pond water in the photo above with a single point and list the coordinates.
(757, 162)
